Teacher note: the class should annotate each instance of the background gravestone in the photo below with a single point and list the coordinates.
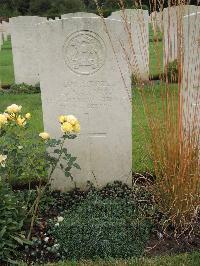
(191, 71)
(139, 29)
(172, 27)
(80, 75)
(156, 20)
(24, 47)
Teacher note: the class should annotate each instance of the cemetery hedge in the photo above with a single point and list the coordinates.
(52, 8)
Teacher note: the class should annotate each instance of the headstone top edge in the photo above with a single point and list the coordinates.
(192, 14)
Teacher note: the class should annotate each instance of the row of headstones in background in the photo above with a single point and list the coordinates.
(191, 72)
(169, 22)
(24, 35)
(172, 27)
(4, 32)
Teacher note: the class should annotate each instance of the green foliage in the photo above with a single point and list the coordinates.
(25, 156)
(103, 227)
(172, 71)
(12, 216)
(28, 157)
(24, 88)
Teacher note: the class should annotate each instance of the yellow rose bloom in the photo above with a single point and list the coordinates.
(7, 116)
(28, 116)
(71, 119)
(66, 127)
(3, 119)
(44, 135)
(61, 119)
(21, 121)
(14, 108)
(77, 128)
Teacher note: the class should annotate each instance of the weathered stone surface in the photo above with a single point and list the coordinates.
(172, 28)
(79, 14)
(138, 38)
(80, 75)
(24, 47)
(191, 71)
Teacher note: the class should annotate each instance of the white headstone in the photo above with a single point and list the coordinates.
(79, 14)
(80, 75)
(139, 30)
(172, 27)
(24, 47)
(156, 20)
(191, 71)
(6, 27)
(4, 30)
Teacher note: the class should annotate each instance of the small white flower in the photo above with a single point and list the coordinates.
(3, 160)
(57, 224)
(56, 245)
(60, 219)
(46, 239)
(20, 147)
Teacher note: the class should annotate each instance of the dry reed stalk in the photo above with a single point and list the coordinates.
(174, 151)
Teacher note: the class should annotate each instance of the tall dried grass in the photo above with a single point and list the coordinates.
(173, 130)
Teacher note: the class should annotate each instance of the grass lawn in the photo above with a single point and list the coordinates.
(155, 53)
(6, 64)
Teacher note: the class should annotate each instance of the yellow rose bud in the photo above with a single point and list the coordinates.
(21, 121)
(71, 119)
(28, 116)
(61, 119)
(66, 127)
(14, 108)
(44, 135)
(77, 128)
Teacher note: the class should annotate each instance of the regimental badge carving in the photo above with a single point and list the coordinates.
(84, 52)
